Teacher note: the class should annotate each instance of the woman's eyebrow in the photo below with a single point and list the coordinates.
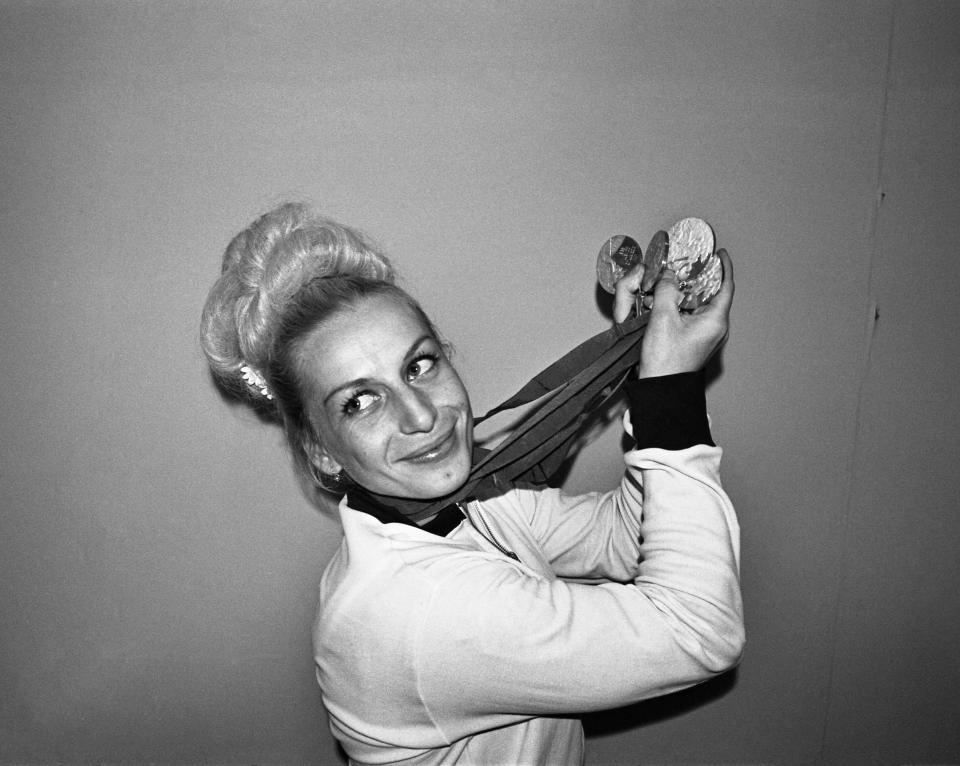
(415, 347)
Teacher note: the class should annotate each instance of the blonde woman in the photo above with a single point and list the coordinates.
(477, 633)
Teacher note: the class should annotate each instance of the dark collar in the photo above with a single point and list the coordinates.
(397, 510)
(446, 520)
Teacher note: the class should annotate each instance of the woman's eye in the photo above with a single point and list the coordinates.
(358, 403)
(421, 366)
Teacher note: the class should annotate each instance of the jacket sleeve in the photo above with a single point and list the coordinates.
(596, 536)
(497, 642)
(593, 537)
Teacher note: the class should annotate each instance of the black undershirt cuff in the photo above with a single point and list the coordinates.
(669, 412)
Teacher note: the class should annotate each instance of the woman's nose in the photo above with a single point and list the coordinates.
(417, 411)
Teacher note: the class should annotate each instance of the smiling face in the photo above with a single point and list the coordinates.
(387, 404)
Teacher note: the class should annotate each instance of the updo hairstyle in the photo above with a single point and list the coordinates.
(282, 276)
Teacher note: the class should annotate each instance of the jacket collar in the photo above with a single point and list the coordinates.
(384, 510)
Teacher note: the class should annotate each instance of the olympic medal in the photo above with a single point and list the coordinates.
(618, 255)
(654, 260)
(691, 256)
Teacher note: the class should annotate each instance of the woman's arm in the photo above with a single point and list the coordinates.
(596, 535)
(498, 643)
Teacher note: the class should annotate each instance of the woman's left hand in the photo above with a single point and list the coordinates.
(676, 341)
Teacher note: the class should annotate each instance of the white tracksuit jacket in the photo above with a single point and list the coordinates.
(443, 650)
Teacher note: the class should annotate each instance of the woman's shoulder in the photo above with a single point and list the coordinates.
(391, 576)
(388, 562)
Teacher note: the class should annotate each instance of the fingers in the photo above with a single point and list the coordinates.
(666, 294)
(719, 304)
(683, 341)
(724, 296)
(625, 296)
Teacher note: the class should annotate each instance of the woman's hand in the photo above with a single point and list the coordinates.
(676, 341)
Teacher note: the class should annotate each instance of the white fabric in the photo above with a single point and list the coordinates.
(441, 650)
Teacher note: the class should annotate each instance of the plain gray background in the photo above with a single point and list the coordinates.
(158, 564)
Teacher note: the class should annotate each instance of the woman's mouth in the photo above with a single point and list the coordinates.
(437, 451)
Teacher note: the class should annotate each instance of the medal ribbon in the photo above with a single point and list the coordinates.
(576, 384)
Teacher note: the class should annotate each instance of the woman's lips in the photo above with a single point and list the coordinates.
(436, 451)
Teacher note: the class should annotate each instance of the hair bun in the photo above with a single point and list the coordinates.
(264, 267)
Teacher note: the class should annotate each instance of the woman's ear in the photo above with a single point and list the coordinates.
(328, 465)
(322, 460)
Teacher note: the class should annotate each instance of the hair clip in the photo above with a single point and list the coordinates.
(255, 380)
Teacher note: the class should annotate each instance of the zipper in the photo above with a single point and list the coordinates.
(486, 533)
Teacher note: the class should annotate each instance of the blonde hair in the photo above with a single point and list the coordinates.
(280, 277)
(263, 269)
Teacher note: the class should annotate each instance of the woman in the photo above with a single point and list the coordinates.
(476, 635)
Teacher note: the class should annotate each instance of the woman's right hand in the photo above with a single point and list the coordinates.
(677, 341)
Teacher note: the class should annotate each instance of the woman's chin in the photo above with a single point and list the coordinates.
(441, 480)
(444, 482)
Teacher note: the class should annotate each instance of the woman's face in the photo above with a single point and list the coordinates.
(389, 407)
